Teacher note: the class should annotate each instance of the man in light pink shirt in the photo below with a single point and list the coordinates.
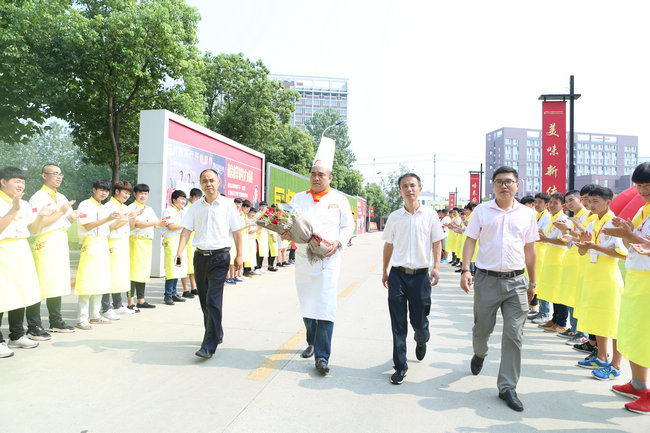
(507, 231)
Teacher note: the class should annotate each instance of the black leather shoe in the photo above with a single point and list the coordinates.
(177, 298)
(272, 269)
(476, 364)
(194, 292)
(169, 300)
(511, 399)
(188, 294)
(308, 352)
(321, 366)
(203, 353)
(420, 351)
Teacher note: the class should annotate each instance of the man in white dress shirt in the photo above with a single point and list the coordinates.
(215, 221)
(331, 217)
(507, 231)
(413, 237)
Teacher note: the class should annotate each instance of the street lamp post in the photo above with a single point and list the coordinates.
(331, 126)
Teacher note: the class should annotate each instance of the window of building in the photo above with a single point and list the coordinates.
(515, 153)
(506, 152)
(515, 141)
(605, 182)
(507, 141)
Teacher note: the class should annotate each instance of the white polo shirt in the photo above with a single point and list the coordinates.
(412, 236)
(445, 220)
(636, 261)
(212, 224)
(555, 233)
(147, 216)
(113, 205)
(172, 216)
(92, 211)
(55, 199)
(502, 235)
(17, 228)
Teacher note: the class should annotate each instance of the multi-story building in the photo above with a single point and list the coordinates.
(603, 159)
(316, 94)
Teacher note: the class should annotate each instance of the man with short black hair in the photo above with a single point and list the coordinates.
(507, 231)
(412, 245)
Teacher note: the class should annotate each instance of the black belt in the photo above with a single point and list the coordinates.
(409, 271)
(212, 252)
(510, 274)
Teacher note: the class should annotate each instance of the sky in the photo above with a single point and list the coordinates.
(431, 77)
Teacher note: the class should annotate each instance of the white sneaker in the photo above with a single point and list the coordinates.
(257, 272)
(110, 315)
(23, 343)
(124, 310)
(100, 321)
(5, 352)
(541, 319)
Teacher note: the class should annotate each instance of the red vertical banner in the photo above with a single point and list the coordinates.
(554, 147)
(474, 187)
(452, 200)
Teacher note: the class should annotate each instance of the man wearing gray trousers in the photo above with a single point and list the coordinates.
(506, 232)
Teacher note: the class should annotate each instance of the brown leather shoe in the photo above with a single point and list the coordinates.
(547, 324)
(555, 328)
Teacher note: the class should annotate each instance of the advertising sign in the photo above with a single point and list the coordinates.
(475, 187)
(452, 200)
(554, 147)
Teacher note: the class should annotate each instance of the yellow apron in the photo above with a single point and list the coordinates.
(550, 278)
(190, 254)
(583, 261)
(634, 320)
(52, 260)
(273, 244)
(540, 250)
(567, 287)
(120, 265)
(171, 248)
(17, 275)
(262, 242)
(451, 242)
(601, 298)
(94, 272)
(140, 251)
(252, 246)
(460, 245)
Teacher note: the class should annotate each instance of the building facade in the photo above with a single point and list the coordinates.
(603, 159)
(316, 94)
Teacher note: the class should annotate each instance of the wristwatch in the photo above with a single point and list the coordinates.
(462, 271)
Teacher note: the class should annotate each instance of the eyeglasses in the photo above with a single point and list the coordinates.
(55, 174)
(507, 182)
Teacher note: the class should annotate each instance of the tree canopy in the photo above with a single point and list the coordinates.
(97, 64)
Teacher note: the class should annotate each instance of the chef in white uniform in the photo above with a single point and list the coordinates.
(330, 214)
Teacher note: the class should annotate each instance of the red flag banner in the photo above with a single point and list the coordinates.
(554, 147)
(452, 200)
(474, 187)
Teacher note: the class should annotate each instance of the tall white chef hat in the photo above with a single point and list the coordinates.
(325, 154)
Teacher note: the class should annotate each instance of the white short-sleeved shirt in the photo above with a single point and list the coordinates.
(445, 220)
(502, 235)
(212, 224)
(604, 240)
(636, 261)
(17, 228)
(556, 233)
(172, 216)
(55, 199)
(147, 216)
(113, 205)
(544, 220)
(412, 236)
(91, 211)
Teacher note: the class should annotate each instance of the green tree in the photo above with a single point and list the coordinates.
(107, 60)
(242, 103)
(375, 197)
(291, 148)
(345, 178)
(54, 144)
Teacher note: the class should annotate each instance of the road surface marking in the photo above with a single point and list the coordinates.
(270, 364)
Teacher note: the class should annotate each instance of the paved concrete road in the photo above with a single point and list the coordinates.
(140, 374)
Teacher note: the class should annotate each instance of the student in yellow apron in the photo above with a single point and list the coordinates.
(190, 292)
(94, 271)
(634, 321)
(543, 220)
(171, 234)
(549, 281)
(51, 254)
(602, 283)
(119, 249)
(20, 287)
(140, 248)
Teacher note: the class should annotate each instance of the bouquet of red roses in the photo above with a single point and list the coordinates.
(295, 222)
